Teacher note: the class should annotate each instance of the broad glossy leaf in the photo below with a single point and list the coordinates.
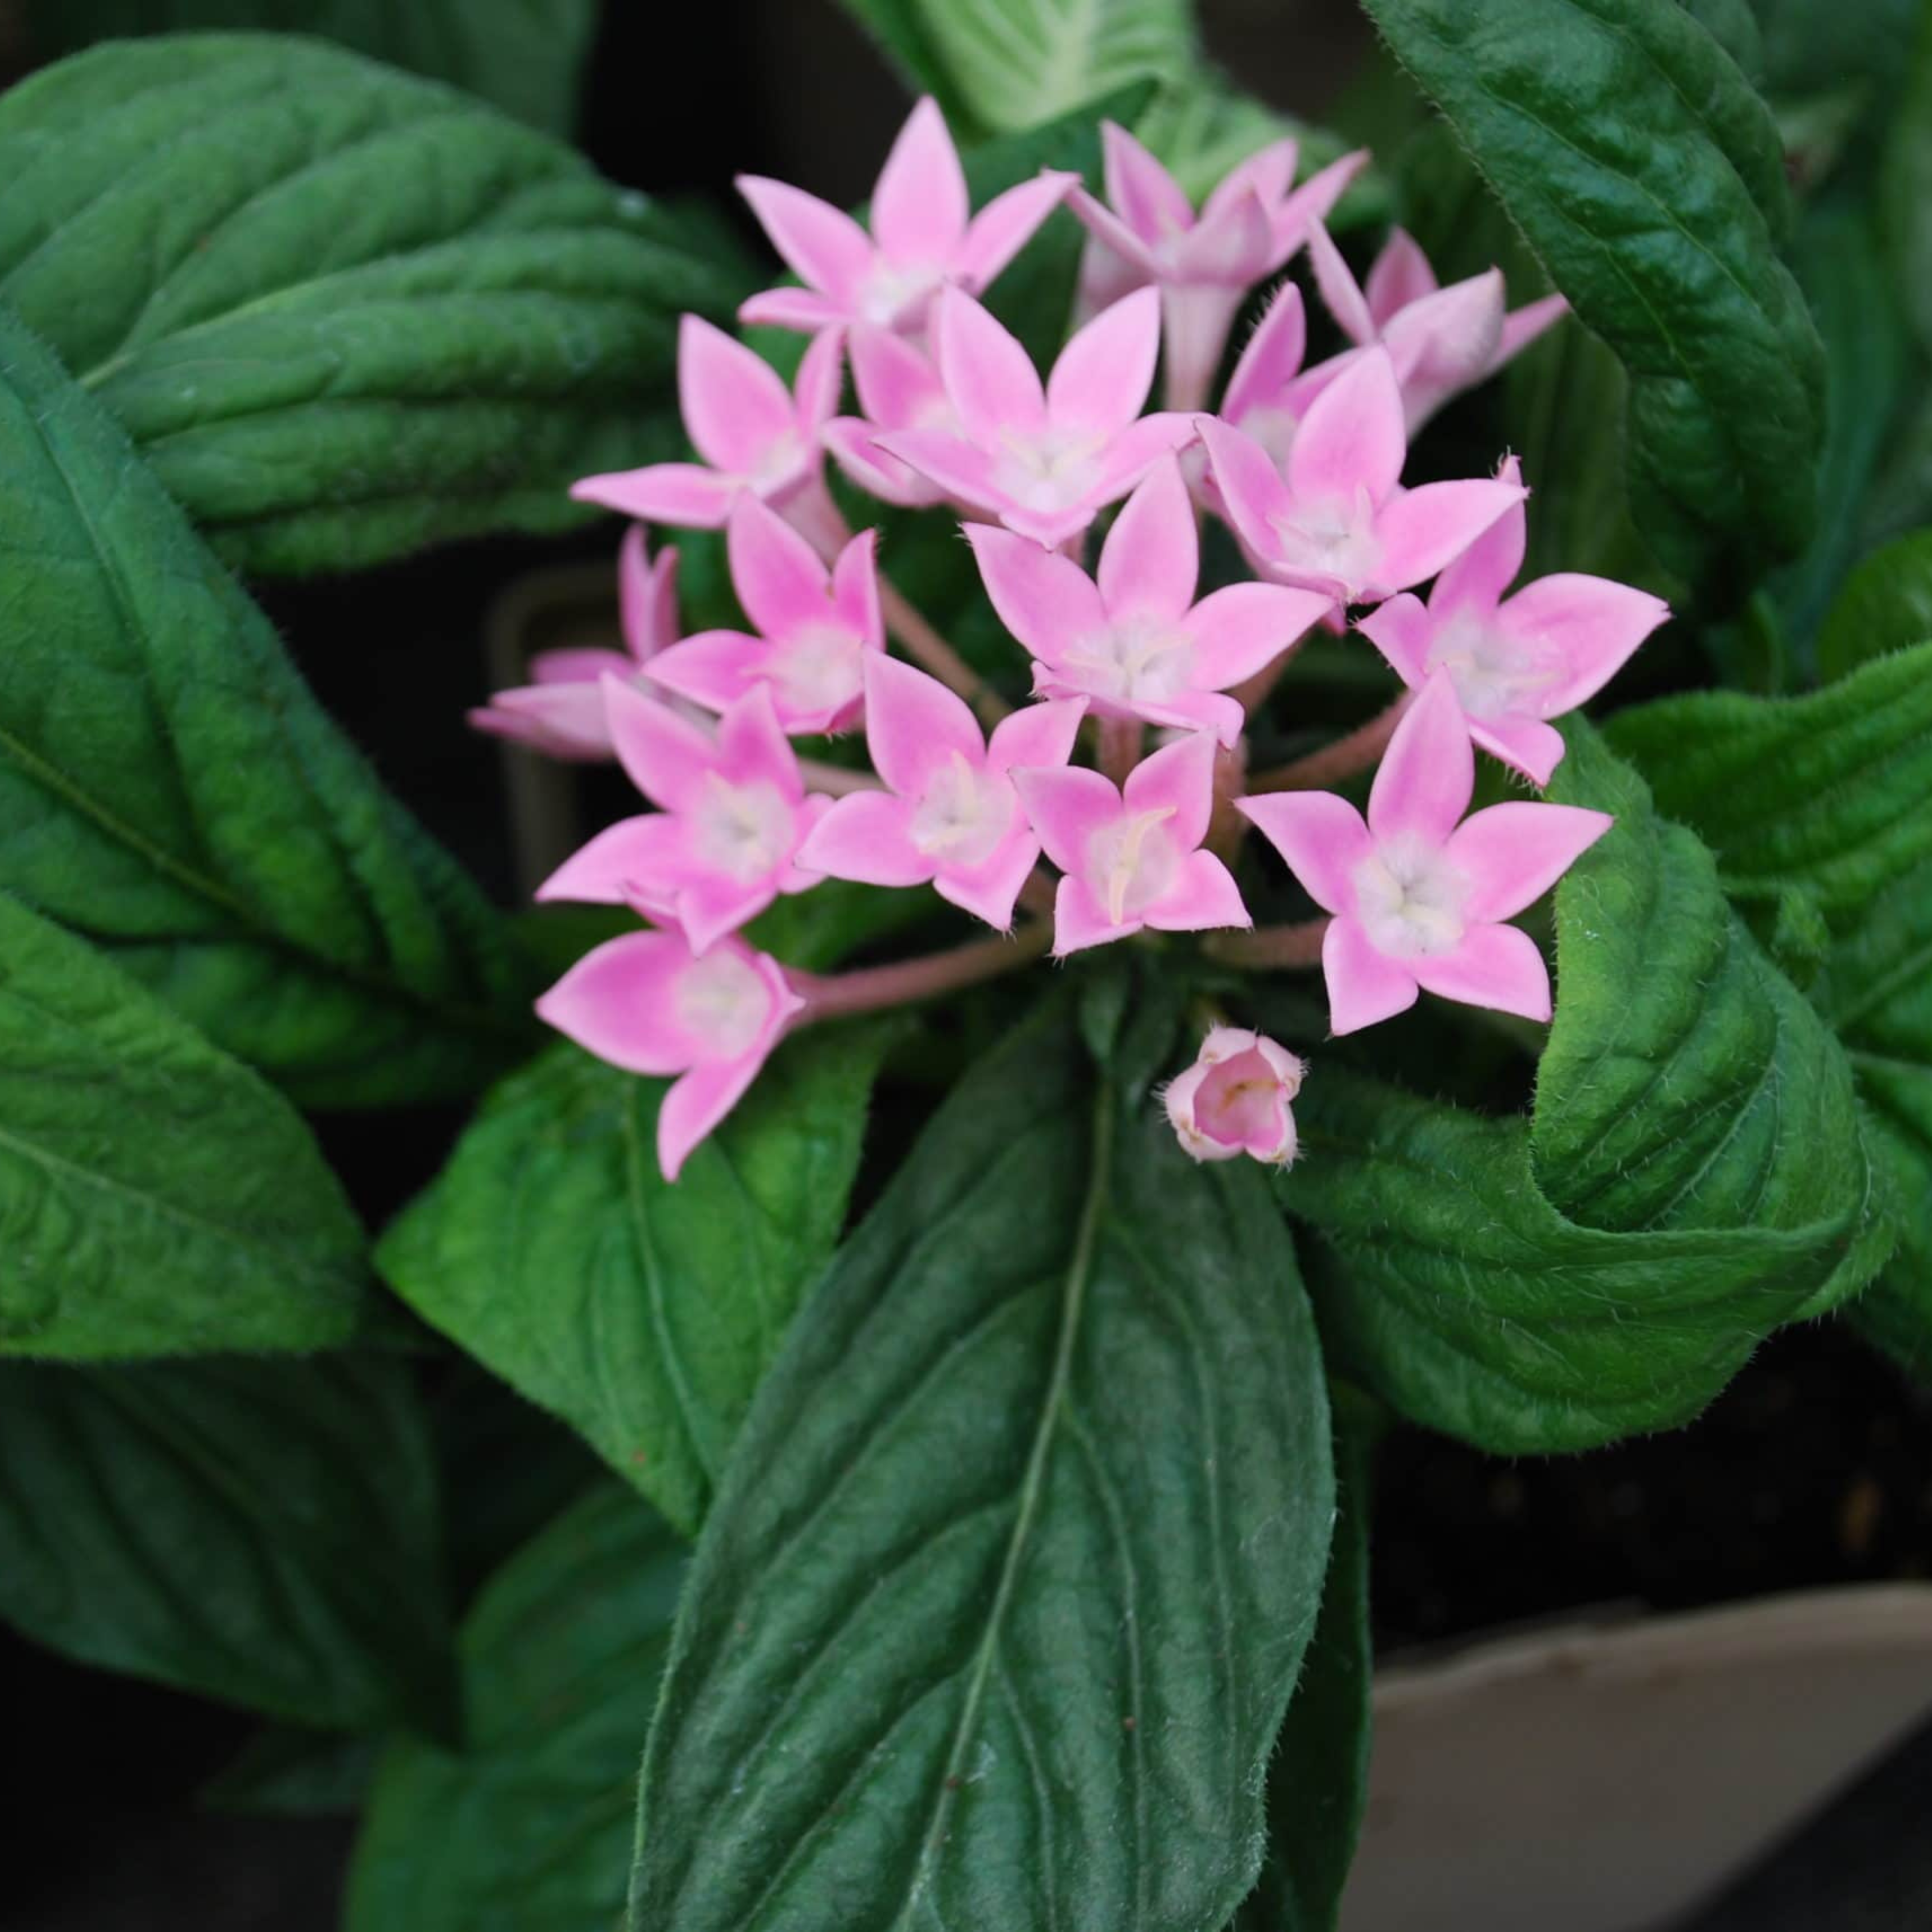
(553, 1250)
(168, 787)
(1694, 1173)
(995, 1618)
(344, 312)
(261, 1532)
(529, 1825)
(1649, 177)
(524, 56)
(157, 1197)
(1885, 605)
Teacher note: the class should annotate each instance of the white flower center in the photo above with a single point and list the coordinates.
(779, 462)
(962, 815)
(722, 1004)
(1494, 674)
(1049, 469)
(1273, 428)
(1332, 538)
(1132, 863)
(820, 667)
(892, 288)
(744, 831)
(1140, 659)
(1409, 898)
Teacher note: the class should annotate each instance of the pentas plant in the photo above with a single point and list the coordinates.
(1117, 803)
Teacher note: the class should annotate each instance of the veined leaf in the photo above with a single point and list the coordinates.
(343, 312)
(644, 1314)
(260, 1532)
(995, 1618)
(157, 1197)
(529, 1825)
(168, 788)
(1649, 179)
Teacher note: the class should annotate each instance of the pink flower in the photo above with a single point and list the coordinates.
(898, 388)
(1131, 856)
(1235, 1098)
(1247, 228)
(1044, 462)
(814, 627)
(1516, 662)
(922, 238)
(562, 712)
(1341, 522)
(1418, 898)
(725, 842)
(1442, 341)
(950, 814)
(648, 1004)
(1136, 644)
(755, 436)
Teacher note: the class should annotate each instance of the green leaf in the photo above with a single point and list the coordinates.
(1905, 187)
(1649, 178)
(259, 1532)
(288, 1771)
(344, 312)
(157, 1197)
(1693, 1176)
(644, 1314)
(168, 787)
(996, 1614)
(529, 1825)
(1884, 605)
(524, 56)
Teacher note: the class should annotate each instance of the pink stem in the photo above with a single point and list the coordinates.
(1121, 740)
(833, 996)
(1039, 893)
(1271, 945)
(1342, 759)
(835, 780)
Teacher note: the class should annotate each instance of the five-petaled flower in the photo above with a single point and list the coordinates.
(1234, 1099)
(1419, 894)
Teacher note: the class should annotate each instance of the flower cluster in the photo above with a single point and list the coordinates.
(1132, 666)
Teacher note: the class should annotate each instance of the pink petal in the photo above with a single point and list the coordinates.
(1195, 318)
(1005, 225)
(1402, 630)
(1495, 966)
(1229, 245)
(1591, 623)
(695, 1105)
(1066, 805)
(646, 597)
(1534, 747)
(1080, 920)
(1343, 298)
(1046, 600)
(1483, 571)
(573, 665)
(1133, 451)
(914, 726)
(1203, 898)
(876, 471)
(633, 857)
(1421, 530)
(898, 388)
(1106, 228)
(820, 377)
(1269, 172)
(1178, 778)
(1272, 357)
(918, 208)
(1352, 437)
(1103, 374)
(1036, 734)
(1151, 556)
(734, 404)
(1251, 487)
(1363, 985)
(686, 494)
(961, 469)
(1221, 717)
(1312, 202)
(620, 1002)
(867, 837)
(712, 668)
(1524, 325)
(804, 310)
(821, 244)
(1144, 195)
(1322, 838)
(562, 720)
(1238, 630)
(989, 380)
(1513, 854)
(1429, 771)
(709, 908)
(1399, 275)
(753, 748)
(666, 757)
(991, 891)
(1447, 342)
(777, 574)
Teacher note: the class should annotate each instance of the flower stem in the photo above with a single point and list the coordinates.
(1270, 946)
(835, 995)
(1342, 759)
(836, 781)
(1120, 740)
(1038, 894)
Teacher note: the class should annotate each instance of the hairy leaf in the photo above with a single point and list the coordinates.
(529, 1825)
(168, 788)
(343, 312)
(644, 1314)
(157, 1197)
(995, 1618)
(1884, 605)
(261, 1532)
(1649, 178)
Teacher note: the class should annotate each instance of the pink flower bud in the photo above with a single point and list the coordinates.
(1235, 1098)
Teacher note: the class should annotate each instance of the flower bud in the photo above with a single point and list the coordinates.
(1235, 1098)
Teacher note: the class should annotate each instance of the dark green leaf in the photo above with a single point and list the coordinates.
(261, 1532)
(1810, 46)
(157, 1197)
(1885, 606)
(528, 1828)
(287, 1770)
(1649, 179)
(1693, 1176)
(996, 1616)
(553, 1251)
(168, 787)
(1905, 184)
(345, 313)
(524, 56)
